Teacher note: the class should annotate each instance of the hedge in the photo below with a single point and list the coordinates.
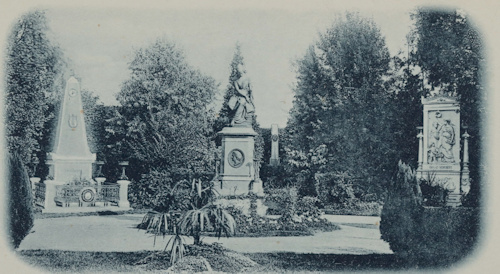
(20, 201)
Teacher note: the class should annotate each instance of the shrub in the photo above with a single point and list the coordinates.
(274, 176)
(308, 206)
(433, 195)
(282, 201)
(434, 236)
(401, 208)
(334, 187)
(355, 207)
(21, 215)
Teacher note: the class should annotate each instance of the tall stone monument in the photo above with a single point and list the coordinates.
(239, 171)
(69, 187)
(71, 157)
(439, 159)
(275, 158)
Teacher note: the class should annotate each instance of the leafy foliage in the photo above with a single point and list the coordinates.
(204, 214)
(189, 214)
(334, 188)
(338, 110)
(165, 118)
(282, 201)
(355, 207)
(20, 204)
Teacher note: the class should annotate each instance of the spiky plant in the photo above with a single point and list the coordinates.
(204, 215)
(194, 213)
(178, 248)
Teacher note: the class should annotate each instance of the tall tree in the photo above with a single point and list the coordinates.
(166, 114)
(33, 80)
(340, 102)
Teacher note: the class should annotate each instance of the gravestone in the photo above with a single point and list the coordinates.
(69, 187)
(439, 160)
(275, 158)
(71, 157)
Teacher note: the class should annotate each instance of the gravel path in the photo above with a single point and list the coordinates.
(358, 235)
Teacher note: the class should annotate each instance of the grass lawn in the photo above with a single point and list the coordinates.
(105, 262)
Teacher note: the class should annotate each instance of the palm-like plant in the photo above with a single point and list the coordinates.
(200, 214)
(205, 215)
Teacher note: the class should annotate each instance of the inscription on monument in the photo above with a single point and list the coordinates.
(440, 167)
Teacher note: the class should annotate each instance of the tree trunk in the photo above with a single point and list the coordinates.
(196, 236)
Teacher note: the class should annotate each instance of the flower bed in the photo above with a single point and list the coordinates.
(262, 226)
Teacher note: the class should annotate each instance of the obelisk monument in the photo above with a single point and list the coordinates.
(71, 157)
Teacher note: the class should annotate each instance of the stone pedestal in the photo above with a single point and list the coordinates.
(50, 193)
(123, 203)
(237, 169)
(34, 181)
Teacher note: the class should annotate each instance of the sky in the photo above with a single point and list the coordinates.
(101, 42)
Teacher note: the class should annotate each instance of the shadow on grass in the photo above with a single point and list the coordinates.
(40, 215)
(73, 261)
(294, 262)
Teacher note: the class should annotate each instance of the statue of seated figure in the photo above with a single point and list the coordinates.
(242, 103)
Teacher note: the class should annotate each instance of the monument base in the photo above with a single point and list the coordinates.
(237, 170)
(449, 180)
(243, 203)
(61, 197)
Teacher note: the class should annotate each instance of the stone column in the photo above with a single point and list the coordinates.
(420, 137)
(124, 203)
(34, 181)
(465, 182)
(50, 194)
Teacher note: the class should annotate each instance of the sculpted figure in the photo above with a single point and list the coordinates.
(242, 103)
(447, 141)
(434, 143)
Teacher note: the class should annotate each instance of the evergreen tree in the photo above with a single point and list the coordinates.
(20, 201)
(34, 69)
